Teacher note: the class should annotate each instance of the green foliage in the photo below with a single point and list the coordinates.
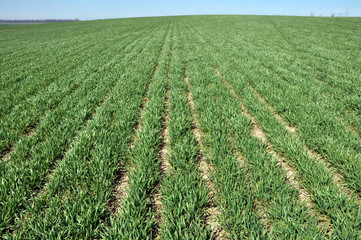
(71, 94)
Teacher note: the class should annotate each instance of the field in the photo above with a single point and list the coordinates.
(193, 127)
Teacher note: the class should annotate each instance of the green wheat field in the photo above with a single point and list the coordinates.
(189, 127)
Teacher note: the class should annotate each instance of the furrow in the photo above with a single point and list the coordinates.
(120, 192)
(6, 154)
(164, 166)
(291, 173)
(212, 212)
(354, 131)
(164, 169)
(7, 30)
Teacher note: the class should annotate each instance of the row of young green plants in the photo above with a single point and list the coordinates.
(136, 219)
(23, 50)
(25, 117)
(331, 49)
(184, 194)
(74, 203)
(276, 48)
(35, 157)
(315, 177)
(325, 49)
(315, 119)
(56, 61)
(37, 70)
(334, 82)
(234, 195)
(21, 89)
(81, 104)
(287, 217)
(336, 77)
(31, 108)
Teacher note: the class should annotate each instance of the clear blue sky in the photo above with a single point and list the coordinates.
(95, 9)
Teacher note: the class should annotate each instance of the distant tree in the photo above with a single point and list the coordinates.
(332, 14)
(312, 14)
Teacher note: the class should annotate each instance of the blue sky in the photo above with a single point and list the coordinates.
(96, 9)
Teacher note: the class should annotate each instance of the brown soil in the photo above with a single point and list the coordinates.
(212, 211)
(6, 154)
(164, 153)
(165, 166)
(31, 130)
(120, 192)
(5, 30)
(137, 126)
(353, 129)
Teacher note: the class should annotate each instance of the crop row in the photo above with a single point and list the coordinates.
(266, 177)
(320, 128)
(136, 218)
(78, 118)
(187, 127)
(28, 112)
(344, 212)
(183, 191)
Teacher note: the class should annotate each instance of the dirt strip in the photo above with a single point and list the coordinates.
(120, 193)
(336, 176)
(7, 30)
(5, 154)
(212, 211)
(30, 131)
(291, 173)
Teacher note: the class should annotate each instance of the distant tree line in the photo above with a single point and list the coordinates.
(346, 14)
(37, 20)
